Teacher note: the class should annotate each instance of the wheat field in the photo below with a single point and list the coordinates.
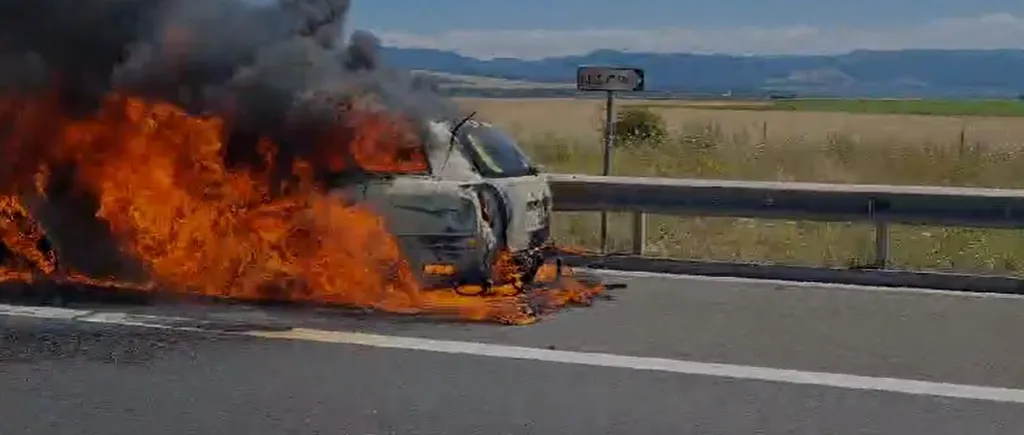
(584, 119)
(564, 135)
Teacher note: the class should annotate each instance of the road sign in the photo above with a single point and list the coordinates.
(607, 78)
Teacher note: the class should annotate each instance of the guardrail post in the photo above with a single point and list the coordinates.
(881, 237)
(881, 245)
(639, 232)
(606, 170)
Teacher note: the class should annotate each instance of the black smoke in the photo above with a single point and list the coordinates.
(266, 60)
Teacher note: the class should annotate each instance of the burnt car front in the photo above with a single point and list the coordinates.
(438, 223)
(516, 190)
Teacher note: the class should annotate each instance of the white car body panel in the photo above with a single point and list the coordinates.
(529, 198)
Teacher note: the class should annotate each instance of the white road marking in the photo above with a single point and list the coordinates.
(41, 312)
(803, 284)
(740, 372)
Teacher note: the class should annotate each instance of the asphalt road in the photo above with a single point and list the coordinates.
(74, 377)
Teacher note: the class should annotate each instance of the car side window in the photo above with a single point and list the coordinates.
(483, 156)
(493, 153)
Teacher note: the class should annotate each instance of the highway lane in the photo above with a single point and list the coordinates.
(962, 338)
(67, 377)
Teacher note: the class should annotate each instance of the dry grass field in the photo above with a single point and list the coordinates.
(564, 135)
(583, 119)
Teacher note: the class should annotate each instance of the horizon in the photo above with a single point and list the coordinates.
(730, 27)
(634, 52)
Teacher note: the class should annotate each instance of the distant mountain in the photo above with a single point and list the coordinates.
(862, 73)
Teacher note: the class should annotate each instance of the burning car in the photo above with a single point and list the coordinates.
(230, 149)
(470, 202)
(480, 200)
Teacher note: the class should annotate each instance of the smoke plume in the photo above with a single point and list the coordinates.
(264, 61)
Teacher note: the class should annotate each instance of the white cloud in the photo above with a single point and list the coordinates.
(998, 30)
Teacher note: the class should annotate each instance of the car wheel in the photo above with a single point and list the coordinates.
(530, 264)
(477, 280)
(496, 209)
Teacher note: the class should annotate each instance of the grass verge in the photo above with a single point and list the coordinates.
(699, 151)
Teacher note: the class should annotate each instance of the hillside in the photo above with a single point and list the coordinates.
(902, 73)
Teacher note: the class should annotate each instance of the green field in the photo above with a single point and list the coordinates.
(701, 153)
(1014, 108)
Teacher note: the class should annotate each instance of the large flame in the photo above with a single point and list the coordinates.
(199, 226)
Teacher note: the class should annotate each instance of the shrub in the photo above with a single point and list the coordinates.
(639, 126)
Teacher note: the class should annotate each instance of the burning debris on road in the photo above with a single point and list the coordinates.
(183, 146)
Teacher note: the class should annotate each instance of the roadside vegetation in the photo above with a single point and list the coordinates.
(704, 150)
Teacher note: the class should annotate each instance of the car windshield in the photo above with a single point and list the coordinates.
(493, 153)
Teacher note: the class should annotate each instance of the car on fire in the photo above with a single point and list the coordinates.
(481, 197)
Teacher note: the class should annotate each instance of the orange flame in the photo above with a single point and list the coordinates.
(200, 227)
(22, 236)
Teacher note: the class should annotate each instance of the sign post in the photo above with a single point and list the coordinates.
(609, 80)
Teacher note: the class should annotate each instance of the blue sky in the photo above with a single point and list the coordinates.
(536, 28)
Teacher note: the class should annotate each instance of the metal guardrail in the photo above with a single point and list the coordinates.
(958, 282)
(883, 205)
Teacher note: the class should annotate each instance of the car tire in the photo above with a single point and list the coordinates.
(479, 274)
(530, 264)
(497, 209)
